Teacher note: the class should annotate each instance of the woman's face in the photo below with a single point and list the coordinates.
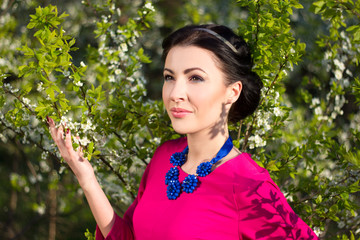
(194, 91)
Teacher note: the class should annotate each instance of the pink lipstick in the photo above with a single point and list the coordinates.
(179, 112)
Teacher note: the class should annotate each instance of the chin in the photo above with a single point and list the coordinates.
(182, 127)
(181, 130)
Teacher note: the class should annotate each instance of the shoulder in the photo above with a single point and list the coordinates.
(262, 207)
(249, 177)
(244, 165)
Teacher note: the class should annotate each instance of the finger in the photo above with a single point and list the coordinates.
(68, 142)
(52, 128)
(59, 138)
(49, 120)
(80, 151)
(56, 133)
(60, 133)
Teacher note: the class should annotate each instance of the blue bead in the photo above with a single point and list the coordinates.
(173, 189)
(178, 159)
(189, 184)
(172, 174)
(204, 169)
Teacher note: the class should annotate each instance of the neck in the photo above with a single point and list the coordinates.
(204, 146)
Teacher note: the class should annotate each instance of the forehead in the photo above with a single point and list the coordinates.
(180, 57)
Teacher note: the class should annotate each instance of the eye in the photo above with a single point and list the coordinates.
(168, 78)
(196, 78)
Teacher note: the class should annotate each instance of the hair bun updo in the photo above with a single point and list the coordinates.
(236, 65)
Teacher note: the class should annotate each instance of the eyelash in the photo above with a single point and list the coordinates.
(194, 78)
(168, 78)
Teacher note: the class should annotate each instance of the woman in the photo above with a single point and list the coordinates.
(198, 186)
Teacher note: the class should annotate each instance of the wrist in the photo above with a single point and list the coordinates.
(88, 182)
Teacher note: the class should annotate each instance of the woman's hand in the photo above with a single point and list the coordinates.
(80, 166)
(98, 202)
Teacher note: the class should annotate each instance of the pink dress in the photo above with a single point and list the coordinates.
(238, 200)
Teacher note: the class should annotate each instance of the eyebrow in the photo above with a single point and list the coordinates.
(186, 70)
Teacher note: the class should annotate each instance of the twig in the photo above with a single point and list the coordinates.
(117, 174)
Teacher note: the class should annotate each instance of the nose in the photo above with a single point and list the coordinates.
(178, 91)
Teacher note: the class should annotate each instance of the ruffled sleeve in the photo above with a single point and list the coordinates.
(123, 227)
(264, 213)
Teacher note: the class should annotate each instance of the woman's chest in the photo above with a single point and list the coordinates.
(207, 213)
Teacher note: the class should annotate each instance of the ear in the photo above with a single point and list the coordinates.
(234, 91)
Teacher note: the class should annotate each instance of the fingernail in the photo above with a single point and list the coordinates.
(67, 131)
(47, 119)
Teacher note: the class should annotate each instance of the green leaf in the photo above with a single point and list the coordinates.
(91, 147)
(271, 166)
(31, 25)
(353, 28)
(318, 199)
(27, 88)
(50, 92)
(96, 153)
(355, 187)
(352, 237)
(319, 6)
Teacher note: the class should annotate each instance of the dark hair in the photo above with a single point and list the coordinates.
(237, 66)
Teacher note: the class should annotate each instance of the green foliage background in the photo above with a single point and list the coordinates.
(95, 66)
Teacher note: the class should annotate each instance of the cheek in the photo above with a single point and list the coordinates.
(210, 98)
(164, 94)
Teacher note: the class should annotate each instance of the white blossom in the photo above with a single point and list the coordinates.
(124, 47)
(40, 209)
(358, 230)
(62, 169)
(348, 72)
(327, 55)
(339, 64)
(338, 74)
(67, 73)
(4, 5)
(26, 101)
(3, 138)
(78, 83)
(104, 18)
(44, 155)
(112, 79)
(44, 166)
(318, 111)
(40, 87)
(8, 86)
(84, 141)
(2, 62)
(32, 179)
(315, 102)
(118, 71)
(342, 34)
(88, 126)
(256, 141)
(277, 112)
(341, 224)
(149, 6)
(333, 115)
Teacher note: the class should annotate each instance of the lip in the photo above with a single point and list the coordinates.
(179, 112)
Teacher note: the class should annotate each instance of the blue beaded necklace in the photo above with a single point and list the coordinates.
(174, 187)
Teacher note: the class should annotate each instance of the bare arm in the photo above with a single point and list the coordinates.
(81, 167)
